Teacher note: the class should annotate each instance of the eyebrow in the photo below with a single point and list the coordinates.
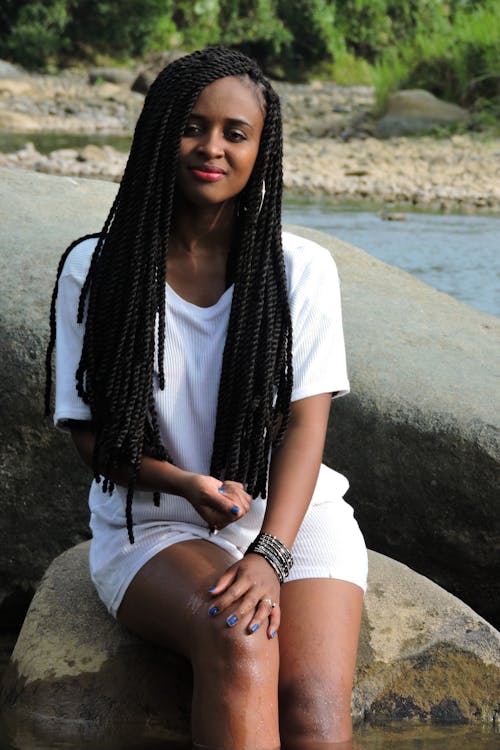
(230, 120)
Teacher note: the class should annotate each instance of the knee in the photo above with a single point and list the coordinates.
(310, 709)
(219, 647)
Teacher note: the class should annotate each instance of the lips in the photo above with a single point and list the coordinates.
(208, 173)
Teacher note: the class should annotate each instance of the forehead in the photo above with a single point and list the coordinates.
(231, 98)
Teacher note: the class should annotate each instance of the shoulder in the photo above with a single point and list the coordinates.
(77, 263)
(306, 260)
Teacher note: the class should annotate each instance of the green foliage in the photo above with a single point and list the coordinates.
(36, 32)
(312, 27)
(450, 47)
(457, 59)
(254, 28)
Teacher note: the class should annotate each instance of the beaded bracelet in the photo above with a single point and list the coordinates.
(274, 552)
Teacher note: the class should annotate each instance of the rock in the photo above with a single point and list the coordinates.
(44, 492)
(415, 111)
(418, 437)
(7, 70)
(154, 66)
(76, 673)
(143, 81)
(15, 87)
(17, 121)
(120, 76)
(92, 153)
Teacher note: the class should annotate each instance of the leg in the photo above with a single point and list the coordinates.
(320, 620)
(235, 674)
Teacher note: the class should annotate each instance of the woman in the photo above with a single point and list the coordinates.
(207, 347)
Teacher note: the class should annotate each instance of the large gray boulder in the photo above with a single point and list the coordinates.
(416, 111)
(76, 673)
(418, 437)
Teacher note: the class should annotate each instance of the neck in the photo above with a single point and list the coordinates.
(202, 230)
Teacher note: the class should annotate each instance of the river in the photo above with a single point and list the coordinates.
(397, 736)
(457, 254)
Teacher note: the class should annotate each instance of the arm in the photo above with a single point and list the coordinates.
(218, 503)
(295, 466)
(293, 474)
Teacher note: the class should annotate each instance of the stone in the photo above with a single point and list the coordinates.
(15, 87)
(7, 70)
(77, 674)
(415, 111)
(17, 121)
(417, 438)
(152, 68)
(120, 76)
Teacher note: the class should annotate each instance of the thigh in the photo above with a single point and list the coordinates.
(318, 637)
(169, 595)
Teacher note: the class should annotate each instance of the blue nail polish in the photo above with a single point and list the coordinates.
(235, 510)
(213, 611)
(254, 627)
(231, 621)
(273, 634)
(212, 588)
(220, 489)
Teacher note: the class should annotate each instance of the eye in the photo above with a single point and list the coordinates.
(191, 130)
(236, 136)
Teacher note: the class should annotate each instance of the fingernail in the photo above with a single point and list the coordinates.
(254, 627)
(220, 489)
(212, 588)
(235, 510)
(273, 634)
(213, 611)
(231, 621)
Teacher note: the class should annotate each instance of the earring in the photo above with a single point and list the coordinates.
(262, 196)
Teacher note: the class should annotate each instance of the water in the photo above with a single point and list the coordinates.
(398, 736)
(47, 142)
(457, 254)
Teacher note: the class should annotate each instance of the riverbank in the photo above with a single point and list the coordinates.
(330, 148)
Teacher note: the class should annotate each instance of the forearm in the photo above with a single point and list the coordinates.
(294, 468)
(154, 475)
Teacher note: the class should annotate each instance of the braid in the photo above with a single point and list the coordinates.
(123, 297)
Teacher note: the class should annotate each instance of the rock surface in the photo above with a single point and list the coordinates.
(415, 111)
(418, 437)
(76, 673)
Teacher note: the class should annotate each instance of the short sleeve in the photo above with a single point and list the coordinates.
(69, 335)
(319, 360)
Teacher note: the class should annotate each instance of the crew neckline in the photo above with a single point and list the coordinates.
(221, 303)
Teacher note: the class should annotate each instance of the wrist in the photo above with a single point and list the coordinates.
(176, 480)
(274, 552)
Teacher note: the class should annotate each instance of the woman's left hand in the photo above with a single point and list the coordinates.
(248, 591)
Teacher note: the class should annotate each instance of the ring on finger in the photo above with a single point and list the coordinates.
(272, 604)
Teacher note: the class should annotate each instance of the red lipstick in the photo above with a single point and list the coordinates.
(208, 173)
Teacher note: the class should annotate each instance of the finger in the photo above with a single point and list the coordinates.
(261, 617)
(228, 602)
(235, 492)
(274, 621)
(224, 581)
(229, 504)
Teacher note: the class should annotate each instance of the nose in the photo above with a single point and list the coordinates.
(212, 144)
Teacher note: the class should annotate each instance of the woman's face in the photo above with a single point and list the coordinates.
(220, 143)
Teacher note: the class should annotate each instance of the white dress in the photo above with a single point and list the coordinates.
(329, 543)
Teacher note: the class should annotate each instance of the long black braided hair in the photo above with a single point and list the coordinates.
(123, 299)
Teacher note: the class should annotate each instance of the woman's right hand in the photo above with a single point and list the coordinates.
(218, 503)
